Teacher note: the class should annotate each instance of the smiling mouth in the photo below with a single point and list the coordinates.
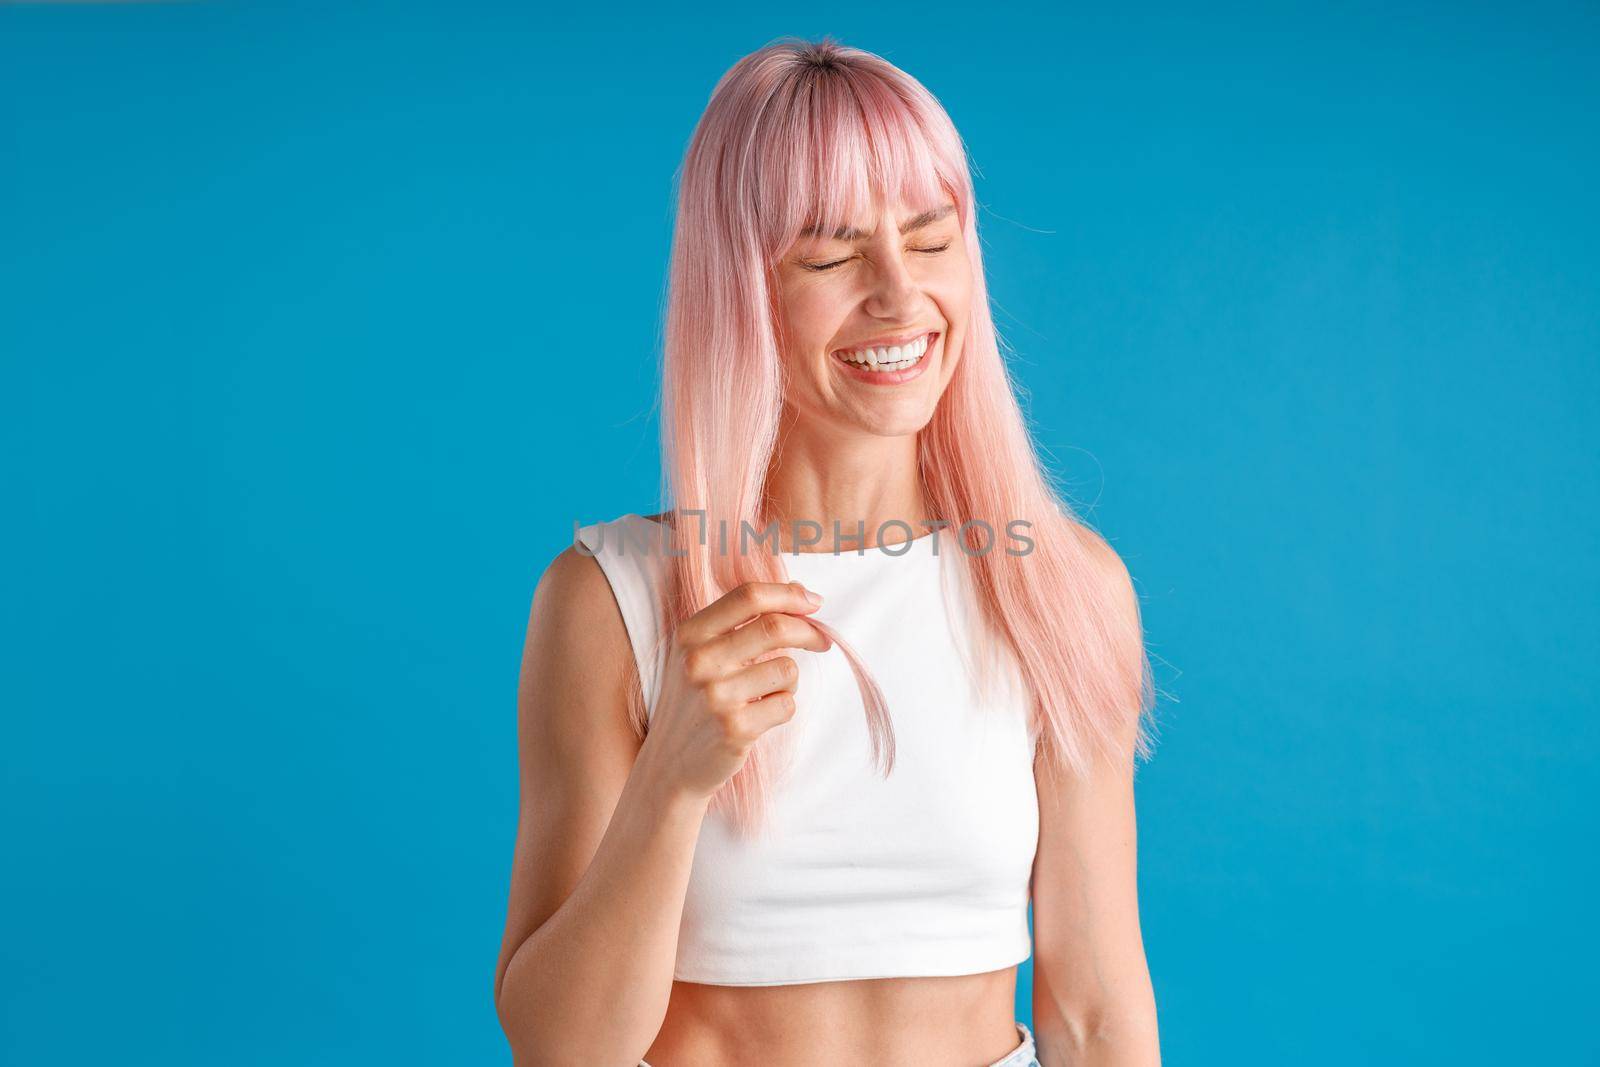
(890, 359)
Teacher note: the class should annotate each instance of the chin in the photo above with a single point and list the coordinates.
(905, 425)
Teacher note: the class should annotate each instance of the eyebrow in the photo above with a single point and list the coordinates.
(916, 222)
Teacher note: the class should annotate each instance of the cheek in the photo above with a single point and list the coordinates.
(812, 321)
(954, 296)
(955, 288)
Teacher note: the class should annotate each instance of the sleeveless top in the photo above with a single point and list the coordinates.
(856, 876)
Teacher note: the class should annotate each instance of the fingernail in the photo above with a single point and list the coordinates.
(814, 598)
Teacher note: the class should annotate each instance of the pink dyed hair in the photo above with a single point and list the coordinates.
(803, 133)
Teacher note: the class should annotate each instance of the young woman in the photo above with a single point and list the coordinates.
(798, 752)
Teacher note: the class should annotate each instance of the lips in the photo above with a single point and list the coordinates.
(872, 375)
(894, 341)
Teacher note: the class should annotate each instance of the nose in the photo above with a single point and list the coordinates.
(894, 292)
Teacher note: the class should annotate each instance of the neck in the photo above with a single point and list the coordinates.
(849, 479)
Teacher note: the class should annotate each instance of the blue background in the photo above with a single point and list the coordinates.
(322, 323)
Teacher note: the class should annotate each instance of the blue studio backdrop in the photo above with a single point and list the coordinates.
(322, 323)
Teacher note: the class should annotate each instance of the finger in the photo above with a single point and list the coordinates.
(764, 714)
(743, 603)
(759, 680)
(766, 634)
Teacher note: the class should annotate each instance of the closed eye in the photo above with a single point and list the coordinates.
(829, 266)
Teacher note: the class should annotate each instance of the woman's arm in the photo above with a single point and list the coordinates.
(604, 844)
(607, 827)
(1093, 1003)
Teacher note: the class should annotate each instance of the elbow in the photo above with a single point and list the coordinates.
(1080, 1030)
(524, 1032)
(538, 1042)
(1108, 1025)
(532, 1048)
(558, 1037)
(509, 1024)
(1125, 1037)
(528, 1050)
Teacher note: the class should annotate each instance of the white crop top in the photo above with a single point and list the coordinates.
(856, 876)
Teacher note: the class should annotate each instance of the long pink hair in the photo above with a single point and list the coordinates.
(805, 133)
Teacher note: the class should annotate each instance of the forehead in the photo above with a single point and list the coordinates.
(908, 219)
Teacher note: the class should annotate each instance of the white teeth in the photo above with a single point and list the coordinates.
(897, 357)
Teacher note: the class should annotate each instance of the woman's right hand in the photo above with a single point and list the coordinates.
(725, 685)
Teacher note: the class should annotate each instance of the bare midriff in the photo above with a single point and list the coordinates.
(955, 1021)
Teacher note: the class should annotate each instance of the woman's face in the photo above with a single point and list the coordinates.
(874, 319)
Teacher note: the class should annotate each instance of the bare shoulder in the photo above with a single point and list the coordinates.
(577, 661)
(576, 637)
(573, 595)
(1113, 572)
(1099, 548)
